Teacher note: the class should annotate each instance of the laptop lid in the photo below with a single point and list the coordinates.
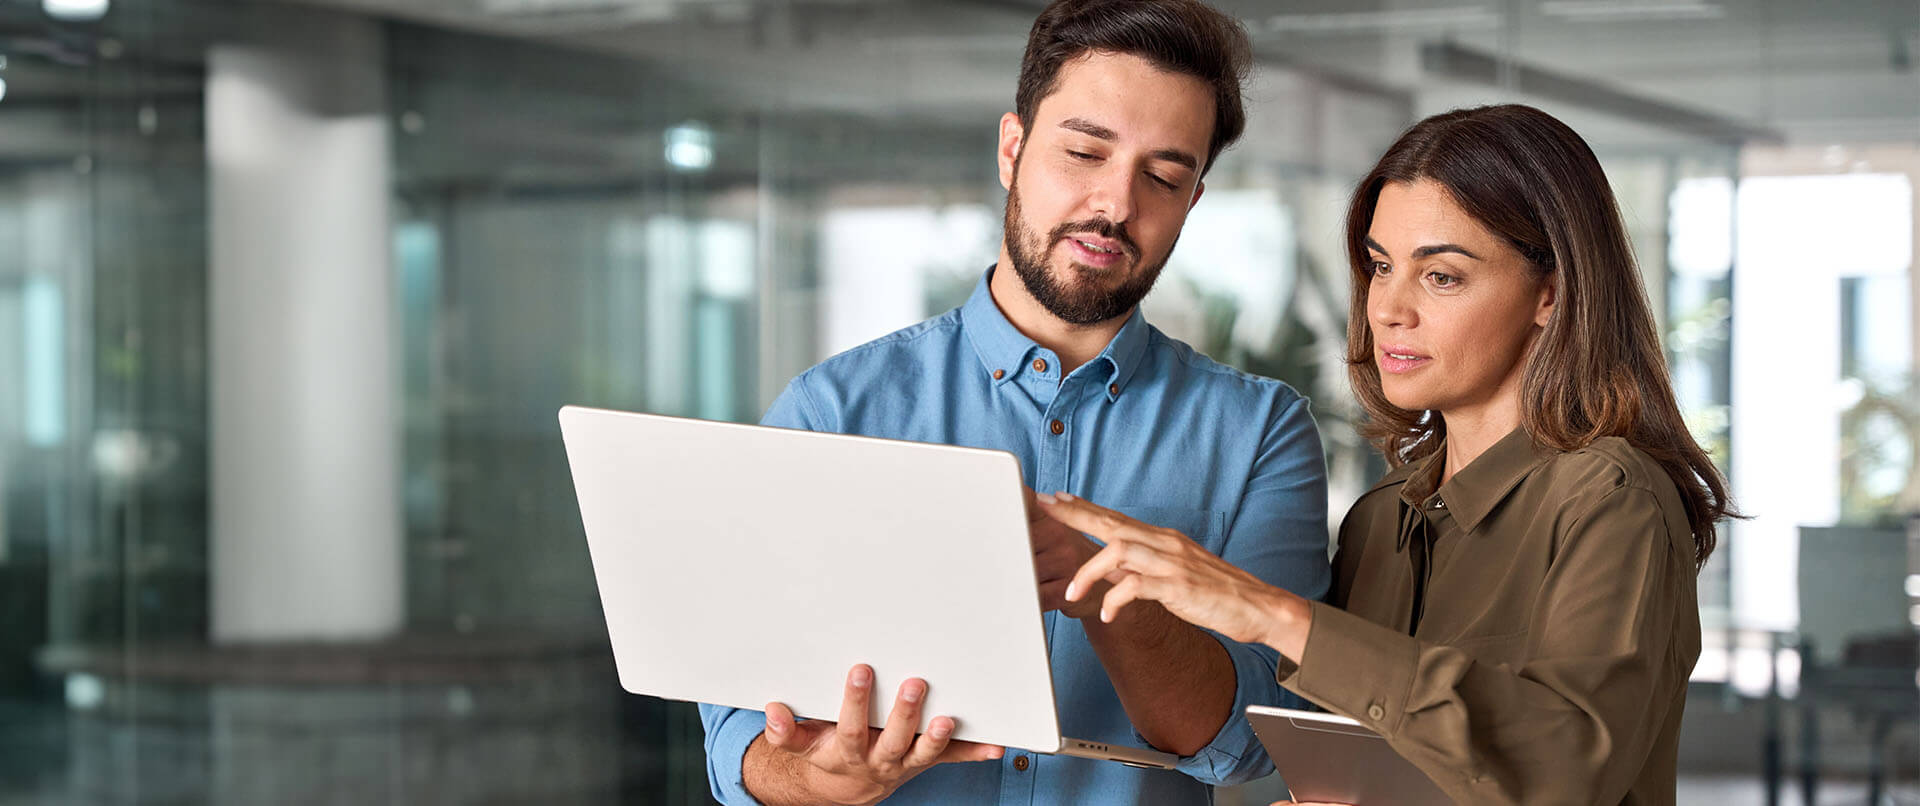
(740, 564)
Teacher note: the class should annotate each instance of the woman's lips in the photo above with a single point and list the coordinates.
(1398, 360)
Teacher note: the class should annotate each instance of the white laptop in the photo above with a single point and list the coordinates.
(740, 565)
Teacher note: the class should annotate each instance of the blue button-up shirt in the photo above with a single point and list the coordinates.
(1151, 428)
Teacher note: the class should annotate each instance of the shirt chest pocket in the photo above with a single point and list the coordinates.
(1208, 527)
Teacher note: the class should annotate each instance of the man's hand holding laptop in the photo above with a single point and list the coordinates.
(847, 762)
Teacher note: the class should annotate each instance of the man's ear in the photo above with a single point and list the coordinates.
(1013, 136)
(1198, 191)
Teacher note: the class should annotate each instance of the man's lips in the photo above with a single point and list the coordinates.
(1096, 243)
(1093, 250)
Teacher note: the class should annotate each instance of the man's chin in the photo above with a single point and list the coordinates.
(1079, 275)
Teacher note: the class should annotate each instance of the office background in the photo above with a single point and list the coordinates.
(290, 293)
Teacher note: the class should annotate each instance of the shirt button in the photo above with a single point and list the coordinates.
(1376, 713)
(1057, 428)
(1040, 365)
(1020, 763)
(1113, 389)
(999, 373)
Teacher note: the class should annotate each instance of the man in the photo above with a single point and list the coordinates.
(1122, 107)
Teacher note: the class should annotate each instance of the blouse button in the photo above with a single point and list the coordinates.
(1376, 713)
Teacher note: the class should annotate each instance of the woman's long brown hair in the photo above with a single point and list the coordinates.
(1597, 369)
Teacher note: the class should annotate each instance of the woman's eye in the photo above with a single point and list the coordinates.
(1443, 280)
(1379, 268)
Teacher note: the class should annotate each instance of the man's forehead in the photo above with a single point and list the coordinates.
(1131, 98)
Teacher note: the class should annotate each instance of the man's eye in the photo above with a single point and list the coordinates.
(1081, 155)
(1163, 182)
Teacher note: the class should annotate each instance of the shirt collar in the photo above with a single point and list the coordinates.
(1003, 349)
(1473, 492)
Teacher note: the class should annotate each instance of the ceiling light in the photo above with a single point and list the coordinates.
(1423, 20)
(1623, 10)
(690, 146)
(75, 10)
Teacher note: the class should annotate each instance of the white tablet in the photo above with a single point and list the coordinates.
(1333, 759)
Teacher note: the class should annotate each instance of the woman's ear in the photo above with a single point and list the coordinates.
(1549, 288)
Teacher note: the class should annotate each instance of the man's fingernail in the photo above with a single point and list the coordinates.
(1045, 498)
(940, 730)
(913, 693)
(1064, 496)
(859, 678)
(776, 728)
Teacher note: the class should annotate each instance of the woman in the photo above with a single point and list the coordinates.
(1513, 604)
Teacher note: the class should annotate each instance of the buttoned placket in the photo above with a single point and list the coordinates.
(1019, 770)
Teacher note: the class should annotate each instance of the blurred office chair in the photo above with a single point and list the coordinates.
(1858, 648)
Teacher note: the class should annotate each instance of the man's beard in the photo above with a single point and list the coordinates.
(1082, 303)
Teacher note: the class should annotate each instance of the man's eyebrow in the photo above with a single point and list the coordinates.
(1090, 129)
(1099, 132)
(1177, 157)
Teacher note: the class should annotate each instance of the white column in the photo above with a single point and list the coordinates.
(306, 538)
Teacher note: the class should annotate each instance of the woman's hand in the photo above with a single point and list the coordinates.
(1147, 562)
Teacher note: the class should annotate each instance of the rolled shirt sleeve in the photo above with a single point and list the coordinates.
(729, 732)
(1576, 720)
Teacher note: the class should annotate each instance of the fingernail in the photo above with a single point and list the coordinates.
(996, 752)
(1073, 592)
(1105, 616)
(940, 730)
(912, 692)
(776, 728)
(860, 677)
(1064, 496)
(1045, 498)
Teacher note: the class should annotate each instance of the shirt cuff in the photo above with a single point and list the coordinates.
(729, 732)
(1356, 668)
(1235, 755)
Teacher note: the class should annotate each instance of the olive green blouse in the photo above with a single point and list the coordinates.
(1524, 632)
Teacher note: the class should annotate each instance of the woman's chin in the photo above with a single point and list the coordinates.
(1404, 399)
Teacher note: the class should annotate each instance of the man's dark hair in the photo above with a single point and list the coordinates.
(1178, 36)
